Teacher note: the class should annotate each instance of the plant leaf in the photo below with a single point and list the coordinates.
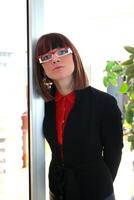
(131, 56)
(130, 138)
(124, 88)
(129, 49)
(130, 69)
(129, 77)
(127, 62)
(129, 116)
(117, 69)
(106, 81)
(113, 81)
(109, 65)
(132, 96)
(111, 75)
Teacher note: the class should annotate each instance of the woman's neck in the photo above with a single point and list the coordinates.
(64, 86)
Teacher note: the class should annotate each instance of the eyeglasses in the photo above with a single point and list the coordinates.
(59, 53)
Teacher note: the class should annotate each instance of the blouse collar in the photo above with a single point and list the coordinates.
(70, 97)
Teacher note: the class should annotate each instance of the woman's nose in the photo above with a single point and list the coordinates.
(55, 59)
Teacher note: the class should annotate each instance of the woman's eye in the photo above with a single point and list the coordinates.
(46, 57)
(62, 52)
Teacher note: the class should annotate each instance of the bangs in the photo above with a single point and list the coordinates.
(49, 42)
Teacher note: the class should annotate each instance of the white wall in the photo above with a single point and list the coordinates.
(99, 29)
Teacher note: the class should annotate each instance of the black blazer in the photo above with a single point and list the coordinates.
(92, 147)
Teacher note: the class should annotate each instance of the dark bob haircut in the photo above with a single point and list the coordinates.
(51, 41)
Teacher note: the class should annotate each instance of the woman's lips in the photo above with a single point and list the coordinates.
(58, 67)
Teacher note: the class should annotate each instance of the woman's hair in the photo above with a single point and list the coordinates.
(51, 41)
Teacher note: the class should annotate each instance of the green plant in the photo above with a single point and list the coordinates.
(114, 70)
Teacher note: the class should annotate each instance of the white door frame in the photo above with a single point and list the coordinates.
(35, 18)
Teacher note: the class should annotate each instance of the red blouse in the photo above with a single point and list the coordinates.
(64, 105)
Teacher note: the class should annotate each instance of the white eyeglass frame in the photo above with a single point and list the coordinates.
(45, 61)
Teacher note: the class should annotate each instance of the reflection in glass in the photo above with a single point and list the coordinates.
(14, 184)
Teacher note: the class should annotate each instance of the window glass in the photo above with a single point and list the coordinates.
(99, 30)
(14, 176)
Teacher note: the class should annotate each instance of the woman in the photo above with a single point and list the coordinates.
(82, 125)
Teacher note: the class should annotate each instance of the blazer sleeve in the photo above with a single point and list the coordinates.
(112, 135)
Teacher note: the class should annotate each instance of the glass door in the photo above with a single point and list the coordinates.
(14, 165)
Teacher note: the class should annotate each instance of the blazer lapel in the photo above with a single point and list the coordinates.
(50, 122)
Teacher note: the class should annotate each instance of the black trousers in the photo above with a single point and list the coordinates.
(111, 197)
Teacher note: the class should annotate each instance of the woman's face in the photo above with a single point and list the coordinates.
(58, 63)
